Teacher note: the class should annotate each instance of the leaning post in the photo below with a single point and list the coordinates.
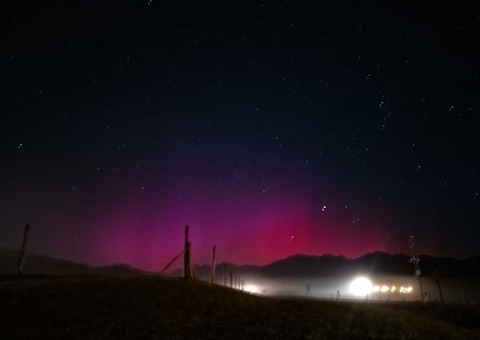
(212, 269)
(23, 251)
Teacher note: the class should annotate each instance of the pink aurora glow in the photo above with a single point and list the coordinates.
(246, 228)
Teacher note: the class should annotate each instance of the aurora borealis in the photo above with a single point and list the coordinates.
(272, 129)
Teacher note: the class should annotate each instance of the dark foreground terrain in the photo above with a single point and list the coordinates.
(154, 308)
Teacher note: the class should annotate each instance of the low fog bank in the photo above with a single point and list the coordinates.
(384, 288)
(387, 277)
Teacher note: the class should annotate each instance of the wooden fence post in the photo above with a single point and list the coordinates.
(212, 269)
(225, 274)
(23, 252)
(187, 258)
(172, 261)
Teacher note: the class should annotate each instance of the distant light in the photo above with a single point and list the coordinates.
(251, 288)
(360, 287)
(384, 289)
(405, 290)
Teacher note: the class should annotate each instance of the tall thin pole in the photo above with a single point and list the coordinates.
(415, 260)
(23, 252)
(231, 280)
(187, 266)
(225, 274)
(212, 269)
(190, 262)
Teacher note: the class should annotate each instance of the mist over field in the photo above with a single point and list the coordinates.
(330, 277)
(454, 290)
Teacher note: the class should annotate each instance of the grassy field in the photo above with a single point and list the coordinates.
(152, 308)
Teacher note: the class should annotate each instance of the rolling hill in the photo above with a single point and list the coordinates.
(40, 264)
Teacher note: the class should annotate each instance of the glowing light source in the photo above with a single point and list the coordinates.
(405, 290)
(360, 287)
(251, 288)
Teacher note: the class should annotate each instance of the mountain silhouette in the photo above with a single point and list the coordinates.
(300, 266)
(296, 266)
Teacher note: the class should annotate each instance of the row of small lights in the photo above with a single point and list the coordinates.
(392, 289)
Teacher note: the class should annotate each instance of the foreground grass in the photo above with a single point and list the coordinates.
(145, 307)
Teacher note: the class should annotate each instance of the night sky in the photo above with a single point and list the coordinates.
(271, 128)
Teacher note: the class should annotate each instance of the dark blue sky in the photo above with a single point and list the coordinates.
(272, 128)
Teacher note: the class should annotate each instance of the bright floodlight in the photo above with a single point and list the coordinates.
(251, 289)
(360, 287)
